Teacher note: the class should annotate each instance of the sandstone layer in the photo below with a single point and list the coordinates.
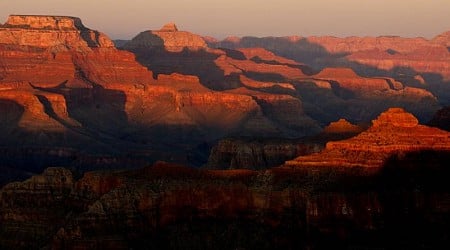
(392, 134)
(168, 38)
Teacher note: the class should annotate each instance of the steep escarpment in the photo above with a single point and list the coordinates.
(392, 134)
(63, 78)
(57, 32)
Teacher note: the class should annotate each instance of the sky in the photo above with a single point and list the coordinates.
(123, 19)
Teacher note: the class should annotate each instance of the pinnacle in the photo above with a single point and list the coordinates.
(169, 27)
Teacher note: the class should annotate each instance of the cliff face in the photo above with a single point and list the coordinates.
(392, 133)
(170, 206)
(58, 32)
(257, 154)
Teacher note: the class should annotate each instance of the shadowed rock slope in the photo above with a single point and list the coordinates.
(173, 207)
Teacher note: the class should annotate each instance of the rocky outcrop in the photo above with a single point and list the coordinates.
(393, 133)
(168, 38)
(260, 54)
(342, 126)
(443, 39)
(57, 33)
(246, 153)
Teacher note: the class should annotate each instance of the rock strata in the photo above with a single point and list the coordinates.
(393, 133)
(168, 38)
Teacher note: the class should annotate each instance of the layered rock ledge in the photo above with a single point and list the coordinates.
(394, 133)
(60, 32)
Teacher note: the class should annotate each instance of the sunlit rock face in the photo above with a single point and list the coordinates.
(385, 52)
(342, 126)
(394, 132)
(415, 62)
(169, 38)
(59, 32)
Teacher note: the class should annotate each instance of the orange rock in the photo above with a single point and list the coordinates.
(266, 55)
(55, 32)
(394, 132)
(342, 126)
(169, 38)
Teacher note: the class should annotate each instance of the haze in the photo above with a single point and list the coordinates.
(123, 19)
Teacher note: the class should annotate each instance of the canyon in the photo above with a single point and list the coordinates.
(393, 134)
(70, 98)
(173, 140)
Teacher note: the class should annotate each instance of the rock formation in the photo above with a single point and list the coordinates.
(397, 57)
(168, 204)
(395, 132)
(245, 153)
(443, 39)
(168, 38)
(58, 32)
(342, 126)
(67, 87)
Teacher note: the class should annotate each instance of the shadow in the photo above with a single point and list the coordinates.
(22, 152)
(10, 114)
(234, 54)
(265, 77)
(342, 93)
(344, 103)
(305, 69)
(441, 119)
(316, 56)
(417, 170)
(151, 53)
(98, 108)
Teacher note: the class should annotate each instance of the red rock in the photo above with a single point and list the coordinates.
(443, 39)
(394, 132)
(262, 85)
(347, 79)
(169, 38)
(266, 55)
(57, 32)
(385, 52)
(342, 126)
(265, 68)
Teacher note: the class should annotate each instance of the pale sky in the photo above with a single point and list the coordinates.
(123, 19)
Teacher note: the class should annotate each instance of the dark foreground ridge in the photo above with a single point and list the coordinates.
(173, 207)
